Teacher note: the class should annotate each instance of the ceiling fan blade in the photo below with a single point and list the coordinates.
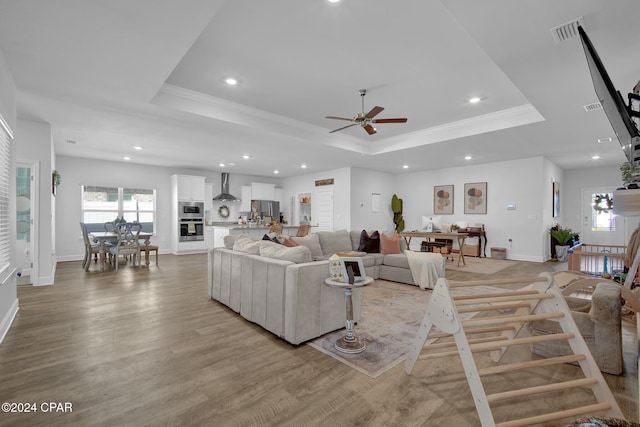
(395, 120)
(370, 129)
(348, 126)
(338, 118)
(374, 112)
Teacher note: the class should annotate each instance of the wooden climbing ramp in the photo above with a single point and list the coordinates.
(496, 326)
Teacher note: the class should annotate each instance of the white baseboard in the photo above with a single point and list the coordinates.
(8, 320)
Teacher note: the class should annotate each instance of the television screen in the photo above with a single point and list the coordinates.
(612, 103)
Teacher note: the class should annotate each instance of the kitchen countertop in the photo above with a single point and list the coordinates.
(236, 226)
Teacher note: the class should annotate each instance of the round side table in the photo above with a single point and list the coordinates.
(349, 343)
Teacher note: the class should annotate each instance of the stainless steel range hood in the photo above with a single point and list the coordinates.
(224, 194)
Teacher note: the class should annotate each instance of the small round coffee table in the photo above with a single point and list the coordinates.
(350, 343)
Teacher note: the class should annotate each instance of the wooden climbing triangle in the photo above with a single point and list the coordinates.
(503, 315)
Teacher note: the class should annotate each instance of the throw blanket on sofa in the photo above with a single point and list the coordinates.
(425, 267)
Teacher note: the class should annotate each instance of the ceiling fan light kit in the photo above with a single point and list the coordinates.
(366, 120)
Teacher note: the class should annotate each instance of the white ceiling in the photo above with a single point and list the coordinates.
(112, 74)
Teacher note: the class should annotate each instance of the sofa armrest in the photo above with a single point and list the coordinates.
(311, 307)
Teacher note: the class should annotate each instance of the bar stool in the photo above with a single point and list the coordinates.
(147, 252)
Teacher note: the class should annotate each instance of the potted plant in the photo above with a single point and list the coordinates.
(562, 235)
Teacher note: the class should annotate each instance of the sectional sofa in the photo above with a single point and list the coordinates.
(282, 288)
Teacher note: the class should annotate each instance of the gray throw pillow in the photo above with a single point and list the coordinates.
(297, 254)
(310, 241)
(333, 242)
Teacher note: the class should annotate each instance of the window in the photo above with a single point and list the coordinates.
(6, 217)
(105, 204)
(602, 218)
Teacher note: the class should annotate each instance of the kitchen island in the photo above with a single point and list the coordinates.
(215, 232)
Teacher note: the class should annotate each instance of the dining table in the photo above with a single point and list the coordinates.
(102, 237)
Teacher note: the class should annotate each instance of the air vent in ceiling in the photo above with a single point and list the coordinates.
(566, 31)
(593, 107)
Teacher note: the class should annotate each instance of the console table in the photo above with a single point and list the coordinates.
(480, 234)
(459, 237)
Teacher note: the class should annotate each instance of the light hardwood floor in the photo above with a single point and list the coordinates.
(148, 347)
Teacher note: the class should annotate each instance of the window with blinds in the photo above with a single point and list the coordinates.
(5, 206)
(102, 204)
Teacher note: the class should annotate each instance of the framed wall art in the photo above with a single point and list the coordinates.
(443, 199)
(475, 198)
(556, 199)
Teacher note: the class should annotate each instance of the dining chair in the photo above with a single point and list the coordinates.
(89, 248)
(147, 252)
(128, 242)
(276, 228)
(303, 230)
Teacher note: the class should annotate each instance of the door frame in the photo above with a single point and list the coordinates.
(35, 209)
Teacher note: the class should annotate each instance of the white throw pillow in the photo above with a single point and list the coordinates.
(297, 254)
(312, 242)
(247, 244)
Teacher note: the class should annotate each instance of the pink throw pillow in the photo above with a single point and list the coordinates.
(390, 244)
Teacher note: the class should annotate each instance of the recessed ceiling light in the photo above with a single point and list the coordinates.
(468, 157)
(602, 140)
(595, 157)
(276, 171)
(231, 81)
(246, 157)
(127, 158)
(405, 166)
(334, 1)
(221, 165)
(474, 100)
(303, 166)
(137, 147)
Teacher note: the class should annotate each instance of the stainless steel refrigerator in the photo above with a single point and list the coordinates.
(266, 208)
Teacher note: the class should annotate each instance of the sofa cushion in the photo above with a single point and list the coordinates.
(396, 260)
(333, 242)
(230, 240)
(369, 243)
(247, 244)
(390, 244)
(298, 254)
(289, 242)
(312, 242)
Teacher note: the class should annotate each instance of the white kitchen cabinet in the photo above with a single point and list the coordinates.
(245, 198)
(190, 188)
(218, 240)
(279, 197)
(209, 237)
(262, 191)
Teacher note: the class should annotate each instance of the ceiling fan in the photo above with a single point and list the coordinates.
(366, 121)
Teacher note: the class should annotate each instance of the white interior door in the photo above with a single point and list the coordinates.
(324, 208)
(601, 228)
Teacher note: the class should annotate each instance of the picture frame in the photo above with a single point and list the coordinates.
(358, 269)
(443, 199)
(556, 199)
(475, 198)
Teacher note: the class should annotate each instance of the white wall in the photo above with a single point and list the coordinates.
(515, 182)
(33, 143)
(76, 172)
(364, 182)
(306, 184)
(8, 289)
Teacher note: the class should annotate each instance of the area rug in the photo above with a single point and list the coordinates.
(479, 265)
(391, 314)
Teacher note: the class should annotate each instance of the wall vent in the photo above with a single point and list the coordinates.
(567, 31)
(593, 107)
